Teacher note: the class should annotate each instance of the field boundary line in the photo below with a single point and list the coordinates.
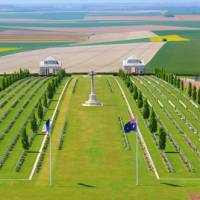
(46, 136)
(140, 135)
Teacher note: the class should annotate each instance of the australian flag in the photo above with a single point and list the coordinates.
(130, 126)
(46, 128)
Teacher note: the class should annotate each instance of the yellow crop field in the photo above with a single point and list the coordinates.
(2, 49)
(168, 38)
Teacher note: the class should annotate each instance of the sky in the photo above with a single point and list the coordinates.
(81, 1)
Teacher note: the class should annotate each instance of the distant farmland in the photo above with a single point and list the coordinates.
(178, 57)
(32, 30)
(100, 58)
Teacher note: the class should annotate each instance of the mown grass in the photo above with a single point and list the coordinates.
(93, 152)
(180, 170)
(93, 163)
(39, 137)
(8, 170)
(187, 130)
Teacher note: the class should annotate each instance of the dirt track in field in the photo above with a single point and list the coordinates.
(109, 37)
(23, 35)
(105, 58)
(20, 36)
(40, 39)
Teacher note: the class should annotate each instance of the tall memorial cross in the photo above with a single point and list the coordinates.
(92, 97)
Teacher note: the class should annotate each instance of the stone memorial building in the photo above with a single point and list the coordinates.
(50, 66)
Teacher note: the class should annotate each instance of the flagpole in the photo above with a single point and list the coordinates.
(137, 180)
(50, 167)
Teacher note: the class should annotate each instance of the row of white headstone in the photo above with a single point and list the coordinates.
(182, 155)
(163, 154)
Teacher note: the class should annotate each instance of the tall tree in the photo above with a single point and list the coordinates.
(50, 91)
(194, 93)
(40, 111)
(131, 88)
(146, 111)
(34, 124)
(140, 100)
(182, 85)
(153, 122)
(45, 101)
(53, 85)
(135, 93)
(128, 81)
(175, 80)
(190, 89)
(121, 73)
(198, 98)
(162, 139)
(4, 83)
(172, 79)
(178, 83)
(25, 142)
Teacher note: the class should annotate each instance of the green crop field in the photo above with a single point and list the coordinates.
(91, 156)
(51, 15)
(178, 57)
(101, 23)
(21, 47)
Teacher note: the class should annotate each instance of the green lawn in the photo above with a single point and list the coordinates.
(181, 170)
(31, 92)
(93, 150)
(93, 163)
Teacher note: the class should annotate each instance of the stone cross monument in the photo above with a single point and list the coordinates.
(92, 97)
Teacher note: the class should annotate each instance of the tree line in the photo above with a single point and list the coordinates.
(173, 79)
(9, 79)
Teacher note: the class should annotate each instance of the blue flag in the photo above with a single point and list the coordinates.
(130, 126)
(46, 128)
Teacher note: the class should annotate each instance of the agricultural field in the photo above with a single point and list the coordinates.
(8, 49)
(36, 30)
(168, 38)
(178, 57)
(100, 58)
